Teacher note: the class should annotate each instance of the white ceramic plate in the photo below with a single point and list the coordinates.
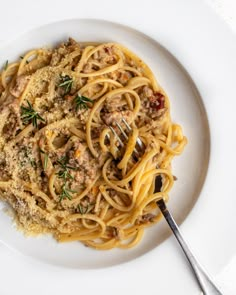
(186, 108)
(206, 48)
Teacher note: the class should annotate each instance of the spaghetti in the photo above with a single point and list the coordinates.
(61, 168)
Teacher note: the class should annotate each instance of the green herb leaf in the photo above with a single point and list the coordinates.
(64, 172)
(81, 102)
(66, 83)
(65, 193)
(63, 162)
(28, 114)
(81, 209)
(45, 162)
(84, 210)
(33, 163)
(6, 65)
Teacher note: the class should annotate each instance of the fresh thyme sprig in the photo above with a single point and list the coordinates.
(65, 193)
(81, 102)
(66, 83)
(28, 114)
(64, 172)
(65, 175)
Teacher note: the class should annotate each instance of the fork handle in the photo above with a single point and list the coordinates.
(206, 284)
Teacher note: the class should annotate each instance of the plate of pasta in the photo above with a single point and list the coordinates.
(75, 196)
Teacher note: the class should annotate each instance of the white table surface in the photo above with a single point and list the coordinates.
(30, 277)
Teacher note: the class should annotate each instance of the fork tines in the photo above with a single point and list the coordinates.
(125, 134)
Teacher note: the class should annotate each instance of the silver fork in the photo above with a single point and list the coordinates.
(205, 282)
